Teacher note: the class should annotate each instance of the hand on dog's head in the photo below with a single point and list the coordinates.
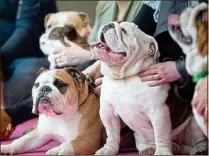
(57, 92)
(123, 48)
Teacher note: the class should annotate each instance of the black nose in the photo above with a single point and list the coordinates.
(45, 89)
(108, 26)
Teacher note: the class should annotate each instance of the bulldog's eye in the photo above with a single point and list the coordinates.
(49, 26)
(36, 85)
(60, 85)
(123, 30)
(101, 45)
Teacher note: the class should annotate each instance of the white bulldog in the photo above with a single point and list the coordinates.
(124, 51)
(190, 31)
(68, 112)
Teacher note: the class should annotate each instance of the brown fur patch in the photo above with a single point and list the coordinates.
(202, 33)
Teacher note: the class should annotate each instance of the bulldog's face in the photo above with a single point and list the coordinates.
(190, 31)
(56, 92)
(123, 46)
(54, 38)
(73, 25)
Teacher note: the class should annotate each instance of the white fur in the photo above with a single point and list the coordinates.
(141, 107)
(63, 128)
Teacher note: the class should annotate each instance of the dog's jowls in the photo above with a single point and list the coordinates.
(75, 26)
(190, 31)
(68, 112)
(125, 50)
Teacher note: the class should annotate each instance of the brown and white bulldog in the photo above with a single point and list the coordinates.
(75, 26)
(124, 50)
(68, 112)
(190, 31)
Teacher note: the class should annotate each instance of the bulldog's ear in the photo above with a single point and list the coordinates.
(84, 17)
(41, 70)
(76, 74)
(153, 50)
(47, 18)
(70, 32)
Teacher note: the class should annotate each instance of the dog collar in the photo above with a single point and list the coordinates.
(82, 41)
(199, 76)
(91, 83)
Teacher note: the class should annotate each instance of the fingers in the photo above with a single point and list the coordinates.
(148, 72)
(98, 81)
(62, 64)
(150, 78)
(154, 66)
(157, 83)
(97, 90)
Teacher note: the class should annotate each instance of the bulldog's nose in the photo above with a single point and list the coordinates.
(45, 89)
(108, 26)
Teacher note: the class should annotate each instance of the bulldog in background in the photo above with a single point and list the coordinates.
(75, 26)
(68, 112)
(124, 51)
(190, 31)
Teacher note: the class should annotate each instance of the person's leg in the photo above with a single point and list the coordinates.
(17, 89)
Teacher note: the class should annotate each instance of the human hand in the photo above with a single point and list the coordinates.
(160, 73)
(94, 70)
(98, 83)
(199, 101)
(72, 55)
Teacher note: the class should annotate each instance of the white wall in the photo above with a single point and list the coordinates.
(85, 6)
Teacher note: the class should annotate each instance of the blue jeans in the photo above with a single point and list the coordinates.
(18, 86)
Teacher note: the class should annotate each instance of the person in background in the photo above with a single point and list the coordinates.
(106, 11)
(21, 23)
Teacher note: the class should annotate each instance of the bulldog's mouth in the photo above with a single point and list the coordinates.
(44, 105)
(175, 28)
(105, 54)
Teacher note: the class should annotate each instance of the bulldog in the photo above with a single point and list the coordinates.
(124, 50)
(68, 112)
(190, 31)
(75, 26)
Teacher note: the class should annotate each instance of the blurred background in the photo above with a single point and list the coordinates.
(85, 6)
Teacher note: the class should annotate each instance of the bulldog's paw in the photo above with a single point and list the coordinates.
(63, 149)
(163, 151)
(200, 149)
(106, 151)
(8, 149)
(148, 151)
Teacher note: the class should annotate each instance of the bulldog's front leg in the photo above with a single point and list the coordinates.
(65, 148)
(161, 123)
(112, 126)
(28, 142)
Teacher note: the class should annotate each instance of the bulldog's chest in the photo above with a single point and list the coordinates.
(130, 94)
(59, 128)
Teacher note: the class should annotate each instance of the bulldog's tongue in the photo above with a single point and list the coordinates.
(174, 19)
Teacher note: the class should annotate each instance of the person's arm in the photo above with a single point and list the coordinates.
(24, 41)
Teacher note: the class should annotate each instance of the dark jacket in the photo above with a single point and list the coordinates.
(22, 23)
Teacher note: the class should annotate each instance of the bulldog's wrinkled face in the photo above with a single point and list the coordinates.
(123, 45)
(190, 31)
(72, 25)
(79, 20)
(54, 38)
(53, 94)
